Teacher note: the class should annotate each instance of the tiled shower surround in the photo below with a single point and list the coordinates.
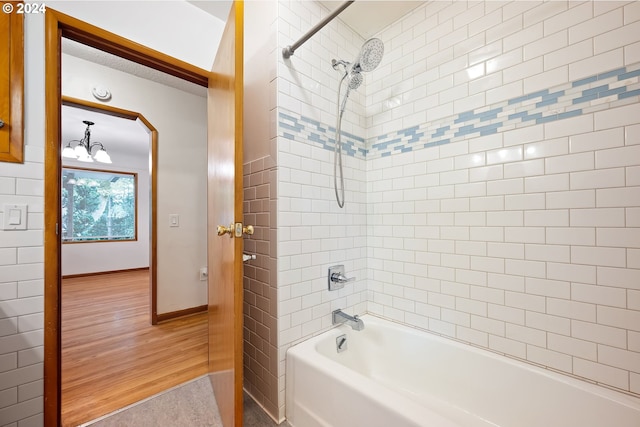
(492, 181)
(595, 93)
(591, 94)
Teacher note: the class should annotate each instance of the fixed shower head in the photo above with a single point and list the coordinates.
(370, 55)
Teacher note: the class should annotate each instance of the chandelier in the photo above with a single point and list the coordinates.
(82, 151)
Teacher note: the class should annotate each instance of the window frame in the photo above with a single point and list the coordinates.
(134, 175)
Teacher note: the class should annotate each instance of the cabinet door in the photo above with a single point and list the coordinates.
(11, 85)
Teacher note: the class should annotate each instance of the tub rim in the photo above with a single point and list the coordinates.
(603, 391)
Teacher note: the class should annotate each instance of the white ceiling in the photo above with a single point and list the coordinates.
(218, 8)
(100, 57)
(123, 137)
(368, 17)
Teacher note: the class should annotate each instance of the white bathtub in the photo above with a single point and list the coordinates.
(394, 376)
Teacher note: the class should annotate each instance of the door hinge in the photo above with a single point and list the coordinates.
(56, 228)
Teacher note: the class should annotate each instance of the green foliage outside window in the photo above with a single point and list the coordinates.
(98, 205)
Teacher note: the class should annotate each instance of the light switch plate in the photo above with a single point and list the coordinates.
(14, 217)
(174, 220)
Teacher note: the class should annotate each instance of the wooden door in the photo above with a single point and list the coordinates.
(225, 209)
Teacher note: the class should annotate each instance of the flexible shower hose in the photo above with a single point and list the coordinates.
(337, 148)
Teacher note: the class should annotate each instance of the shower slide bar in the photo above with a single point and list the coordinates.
(287, 52)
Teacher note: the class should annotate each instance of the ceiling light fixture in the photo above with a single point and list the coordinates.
(82, 151)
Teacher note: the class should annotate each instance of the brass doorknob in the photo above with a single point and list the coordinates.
(222, 230)
(248, 229)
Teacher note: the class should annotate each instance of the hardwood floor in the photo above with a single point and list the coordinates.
(111, 355)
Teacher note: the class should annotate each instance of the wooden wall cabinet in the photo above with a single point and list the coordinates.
(11, 85)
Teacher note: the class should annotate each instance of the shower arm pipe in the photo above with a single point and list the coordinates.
(287, 52)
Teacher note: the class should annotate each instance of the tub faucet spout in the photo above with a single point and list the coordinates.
(354, 321)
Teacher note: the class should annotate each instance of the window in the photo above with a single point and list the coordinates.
(98, 205)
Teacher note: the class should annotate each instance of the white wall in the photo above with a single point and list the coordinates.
(182, 172)
(21, 252)
(260, 71)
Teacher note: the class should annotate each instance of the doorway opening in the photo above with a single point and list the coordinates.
(132, 142)
(109, 270)
(59, 26)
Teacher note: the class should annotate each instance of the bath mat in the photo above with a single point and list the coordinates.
(191, 404)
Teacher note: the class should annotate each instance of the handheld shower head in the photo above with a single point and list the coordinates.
(354, 80)
(367, 60)
(370, 55)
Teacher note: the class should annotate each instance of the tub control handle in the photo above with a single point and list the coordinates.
(336, 277)
(339, 278)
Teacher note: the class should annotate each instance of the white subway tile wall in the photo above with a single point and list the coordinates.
(313, 232)
(554, 272)
(497, 184)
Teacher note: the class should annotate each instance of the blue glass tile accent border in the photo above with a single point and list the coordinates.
(561, 102)
(583, 96)
(303, 129)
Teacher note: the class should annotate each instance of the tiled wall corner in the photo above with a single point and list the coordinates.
(508, 175)
(260, 207)
(22, 258)
(260, 304)
(313, 232)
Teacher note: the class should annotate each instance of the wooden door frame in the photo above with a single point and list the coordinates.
(153, 185)
(58, 25)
